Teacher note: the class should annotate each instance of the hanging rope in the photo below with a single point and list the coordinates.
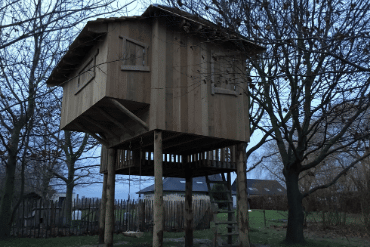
(129, 175)
(129, 191)
(141, 155)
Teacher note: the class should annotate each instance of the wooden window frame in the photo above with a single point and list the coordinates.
(80, 86)
(144, 67)
(214, 88)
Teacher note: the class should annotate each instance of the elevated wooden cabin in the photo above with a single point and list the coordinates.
(125, 77)
(166, 93)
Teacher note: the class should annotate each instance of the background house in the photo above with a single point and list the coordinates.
(259, 187)
(174, 188)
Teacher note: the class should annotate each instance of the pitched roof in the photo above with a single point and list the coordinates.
(262, 187)
(95, 30)
(178, 185)
(254, 186)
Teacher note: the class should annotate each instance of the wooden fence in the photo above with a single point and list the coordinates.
(43, 219)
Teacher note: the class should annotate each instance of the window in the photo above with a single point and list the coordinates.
(87, 74)
(182, 181)
(267, 189)
(135, 55)
(252, 189)
(199, 182)
(280, 190)
(226, 73)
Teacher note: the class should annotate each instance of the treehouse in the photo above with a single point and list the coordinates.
(169, 72)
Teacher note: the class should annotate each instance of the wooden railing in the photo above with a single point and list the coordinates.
(218, 158)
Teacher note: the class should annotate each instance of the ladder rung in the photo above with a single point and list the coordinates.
(225, 211)
(220, 191)
(226, 222)
(220, 201)
(229, 234)
(217, 182)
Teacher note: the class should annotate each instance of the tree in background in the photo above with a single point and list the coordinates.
(74, 146)
(220, 196)
(314, 77)
(33, 36)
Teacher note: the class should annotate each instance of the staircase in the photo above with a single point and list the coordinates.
(232, 230)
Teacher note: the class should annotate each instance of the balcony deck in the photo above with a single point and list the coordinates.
(138, 162)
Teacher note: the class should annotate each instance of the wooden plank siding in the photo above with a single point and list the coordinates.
(73, 105)
(170, 86)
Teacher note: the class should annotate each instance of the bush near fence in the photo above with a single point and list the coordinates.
(274, 202)
(349, 202)
(38, 218)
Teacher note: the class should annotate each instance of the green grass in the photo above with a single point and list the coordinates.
(336, 217)
(258, 234)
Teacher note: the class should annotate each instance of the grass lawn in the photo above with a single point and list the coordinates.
(258, 235)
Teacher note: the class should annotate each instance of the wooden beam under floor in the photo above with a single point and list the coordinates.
(129, 113)
(116, 122)
(101, 140)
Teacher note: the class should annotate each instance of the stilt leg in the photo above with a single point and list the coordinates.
(241, 196)
(109, 217)
(158, 191)
(189, 209)
(102, 210)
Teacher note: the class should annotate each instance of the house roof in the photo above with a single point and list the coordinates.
(254, 186)
(178, 185)
(262, 187)
(95, 30)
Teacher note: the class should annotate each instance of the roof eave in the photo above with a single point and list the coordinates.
(90, 35)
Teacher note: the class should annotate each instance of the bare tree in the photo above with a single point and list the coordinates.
(314, 75)
(74, 146)
(33, 36)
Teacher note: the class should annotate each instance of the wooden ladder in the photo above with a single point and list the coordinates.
(231, 223)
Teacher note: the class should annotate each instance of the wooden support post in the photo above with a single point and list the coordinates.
(158, 190)
(109, 216)
(188, 208)
(230, 216)
(241, 196)
(102, 210)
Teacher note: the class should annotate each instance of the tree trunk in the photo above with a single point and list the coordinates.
(68, 204)
(7, 196)
(294, 233)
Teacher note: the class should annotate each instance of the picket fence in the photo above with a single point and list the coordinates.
(43, 219)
